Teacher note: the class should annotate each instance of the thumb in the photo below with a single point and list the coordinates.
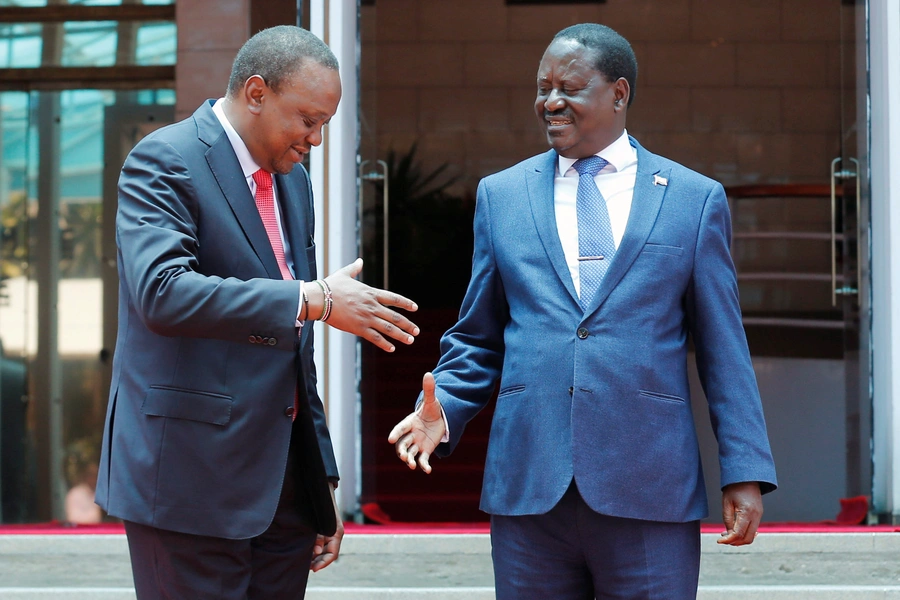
(353, 269)
(428, 386)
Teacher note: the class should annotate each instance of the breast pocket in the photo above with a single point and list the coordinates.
(663, 249)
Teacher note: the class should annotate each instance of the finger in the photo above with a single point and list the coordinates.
(326, 558)
(400, 334)
(387, 298)
(428, 386)
(376, 338)
(400, 429)
(319, 546)
(411, 456)
(423, 462)
(403, 448)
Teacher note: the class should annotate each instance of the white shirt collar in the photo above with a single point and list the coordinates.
(248, 165)
(619, 154)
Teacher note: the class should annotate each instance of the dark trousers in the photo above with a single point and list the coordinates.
(574, 553)
(272, 566)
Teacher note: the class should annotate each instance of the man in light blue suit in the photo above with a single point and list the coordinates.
(216, 452)
(595, 264)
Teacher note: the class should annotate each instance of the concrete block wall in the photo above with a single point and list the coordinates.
(744, 92)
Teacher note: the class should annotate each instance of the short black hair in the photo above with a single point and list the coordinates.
(614, 56)
(275, 54)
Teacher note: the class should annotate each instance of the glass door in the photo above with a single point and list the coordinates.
(851, 282)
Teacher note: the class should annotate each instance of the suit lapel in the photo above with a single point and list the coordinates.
(539, 184)
(293, 198)
(645, 205)
(226, 169)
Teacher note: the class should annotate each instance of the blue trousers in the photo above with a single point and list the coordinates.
(575, 553)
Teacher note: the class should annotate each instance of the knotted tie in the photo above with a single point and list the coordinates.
(596, 246)
(265, 203)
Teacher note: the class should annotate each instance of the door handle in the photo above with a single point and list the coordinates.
(384, 177)
(844, 290)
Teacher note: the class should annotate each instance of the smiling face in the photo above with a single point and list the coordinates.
(281, 126)
(579, 110)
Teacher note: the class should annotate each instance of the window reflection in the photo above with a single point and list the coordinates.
(85, 119)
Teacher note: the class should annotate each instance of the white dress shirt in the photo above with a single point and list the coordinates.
(616, 184)
(249, 167)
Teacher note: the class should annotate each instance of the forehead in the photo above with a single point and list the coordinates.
(567, 58)
(313, 88)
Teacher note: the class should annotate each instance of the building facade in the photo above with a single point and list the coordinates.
(791, 104)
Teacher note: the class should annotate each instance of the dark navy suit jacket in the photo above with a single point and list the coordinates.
(601, 395)
(207, 359)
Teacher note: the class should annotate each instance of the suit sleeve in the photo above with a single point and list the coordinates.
(472, 350)
(157, 233)
(723, 358)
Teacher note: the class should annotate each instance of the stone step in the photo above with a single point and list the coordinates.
(779, 566)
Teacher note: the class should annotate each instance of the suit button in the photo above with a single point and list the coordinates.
(259, 339)
(571, 390)
(272, 341)
(289, 411)
(252, 339)
(582, 333)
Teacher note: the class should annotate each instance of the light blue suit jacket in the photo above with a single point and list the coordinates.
(601, 395)
(207, 358)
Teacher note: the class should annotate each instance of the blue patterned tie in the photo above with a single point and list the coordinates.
(596, 247)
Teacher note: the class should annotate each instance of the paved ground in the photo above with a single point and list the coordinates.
(437, 567)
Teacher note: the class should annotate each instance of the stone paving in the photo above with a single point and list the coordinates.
(437, 567)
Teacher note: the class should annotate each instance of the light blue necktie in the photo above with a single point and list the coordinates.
(596, 247)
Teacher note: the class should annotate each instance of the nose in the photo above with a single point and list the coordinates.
(554, 101)
(315, 136)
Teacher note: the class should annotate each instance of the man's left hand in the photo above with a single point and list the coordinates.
(327, 548)
(742, 510)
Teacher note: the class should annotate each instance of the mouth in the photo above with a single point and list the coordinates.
(555, 122)
(300, 152)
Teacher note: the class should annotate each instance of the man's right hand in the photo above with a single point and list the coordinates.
(421, 431)
(363, 310)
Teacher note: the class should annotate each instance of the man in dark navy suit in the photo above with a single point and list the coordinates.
(594, 263)
(216, 453)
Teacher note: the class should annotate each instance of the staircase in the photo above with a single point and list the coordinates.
(391, 384)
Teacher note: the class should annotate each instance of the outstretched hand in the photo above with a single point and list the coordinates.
(742, 510)
(421, 431)
(363, 310)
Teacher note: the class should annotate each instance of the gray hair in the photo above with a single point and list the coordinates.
(275, 54)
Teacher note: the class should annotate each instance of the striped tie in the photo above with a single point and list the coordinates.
(596, 247)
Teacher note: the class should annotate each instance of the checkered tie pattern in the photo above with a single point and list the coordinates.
(265, 203)
(596, 246)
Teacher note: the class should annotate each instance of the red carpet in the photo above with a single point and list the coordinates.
(446, 528)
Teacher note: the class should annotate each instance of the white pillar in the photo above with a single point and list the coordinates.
(333, 172)
(884, 70)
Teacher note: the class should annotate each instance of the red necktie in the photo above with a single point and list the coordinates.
(265, 203)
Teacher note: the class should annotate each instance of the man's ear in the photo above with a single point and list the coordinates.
(255, 90)
(622, 92)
